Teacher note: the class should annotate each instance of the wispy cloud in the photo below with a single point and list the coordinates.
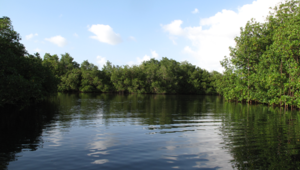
(145, 58)
(57, 40)
(37, 50)
(173, 38)
(105, 34)
(101, 61)
(75, 35)
(28, 37)
(195, 11)
(132, 38)
(209, 46)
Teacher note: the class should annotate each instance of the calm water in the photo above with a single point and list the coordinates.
(108, 131)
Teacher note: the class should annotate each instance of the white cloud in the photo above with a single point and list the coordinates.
(154, 54)
(37, 50)
(105, 34)
(132, 38)
(209, 46)
(145, 58)
(75, 35)
(28, 37)
(174, 28)
(101, 61)
(195, 11)
(57, 40)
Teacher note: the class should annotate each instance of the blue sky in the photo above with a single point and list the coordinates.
(130, 31)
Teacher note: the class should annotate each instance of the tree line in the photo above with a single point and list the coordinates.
(264, 67)
(23, 78)
(27, 78)
(153, 76)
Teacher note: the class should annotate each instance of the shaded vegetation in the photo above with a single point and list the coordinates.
(23, 78)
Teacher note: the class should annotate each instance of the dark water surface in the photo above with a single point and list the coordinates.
(109, 131)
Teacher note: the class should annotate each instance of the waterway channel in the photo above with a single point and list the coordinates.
(143, 131)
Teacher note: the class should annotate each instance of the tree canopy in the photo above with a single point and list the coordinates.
(264, 65)
(153, 76)
(23, 78)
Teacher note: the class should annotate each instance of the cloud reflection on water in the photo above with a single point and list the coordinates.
(100, 161)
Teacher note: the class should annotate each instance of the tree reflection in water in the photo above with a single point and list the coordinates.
(21, 130)
(261, 137)
(177, 131)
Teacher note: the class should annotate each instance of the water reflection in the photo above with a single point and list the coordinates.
(21, 131)
(261, 137)
(109, 131)
(100, 161)
(130, 118)
(100, 145)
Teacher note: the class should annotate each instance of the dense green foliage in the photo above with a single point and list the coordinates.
(23, 78)
(27, 78)
(264, 65)
(164, 76)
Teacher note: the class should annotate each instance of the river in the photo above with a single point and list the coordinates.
(143, 131)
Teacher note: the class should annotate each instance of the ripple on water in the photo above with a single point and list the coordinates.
(108, 131)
